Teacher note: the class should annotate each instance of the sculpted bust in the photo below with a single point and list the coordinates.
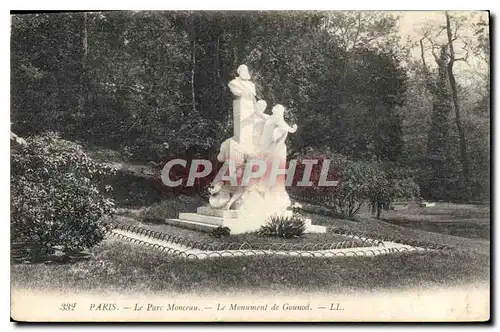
(241, 85)
(243, 106)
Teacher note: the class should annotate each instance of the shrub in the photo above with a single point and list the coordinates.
(279, 226)
(356, 181)
(359, 182)
(221, 232)
(57, 195)
(393, 183)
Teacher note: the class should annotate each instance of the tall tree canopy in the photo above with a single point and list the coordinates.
(153, 85)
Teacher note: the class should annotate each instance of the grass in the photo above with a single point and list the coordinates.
(253, 239)
(464, 220)
(392, 225)
(442, 212)
(170, 208)
(117, 266)
(469, 229)
(443, 229)
(104, 155)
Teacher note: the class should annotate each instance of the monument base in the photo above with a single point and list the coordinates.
(207, 219)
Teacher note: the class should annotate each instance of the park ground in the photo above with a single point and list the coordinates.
(135, 89)
(119, 266)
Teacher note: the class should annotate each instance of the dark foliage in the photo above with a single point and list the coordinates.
(285, 227)
(220, 232)
(58, 196)
(160, 92)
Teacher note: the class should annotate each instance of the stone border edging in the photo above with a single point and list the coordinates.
(395, 239)
(178, 240)
(178, 250)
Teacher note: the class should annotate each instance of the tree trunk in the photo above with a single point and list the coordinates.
(460, 130)
(456, 106)
(84, 88)
(428, 79)
(85, 35)
(193, 63)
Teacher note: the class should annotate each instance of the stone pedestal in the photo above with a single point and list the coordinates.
(207, 219)
(243, 109)
(208, 211)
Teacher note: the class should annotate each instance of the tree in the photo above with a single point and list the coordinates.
(452, 37)
(47, 73)
(454, 46)
(357, 29)
(438, 178)
(166, 86)
(392, 183)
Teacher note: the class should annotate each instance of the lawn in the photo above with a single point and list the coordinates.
(250, 240)
(117, 265)
(460, 225)
(446, 225)
(464, 220)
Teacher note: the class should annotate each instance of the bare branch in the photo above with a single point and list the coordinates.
(422, 54)
(357, 32)
(440, 31)
(466, 56)
(433, 46)
(450, 38)
(457, 26)
(367, 40)
(453, 36)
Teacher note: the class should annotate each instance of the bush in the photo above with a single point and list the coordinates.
(57, 195)
(358, 182)
(392, 183)
(279, 226)
(221, 232)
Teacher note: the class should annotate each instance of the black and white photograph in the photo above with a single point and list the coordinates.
(250, 166)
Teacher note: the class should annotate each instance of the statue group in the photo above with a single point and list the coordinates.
(257, 136)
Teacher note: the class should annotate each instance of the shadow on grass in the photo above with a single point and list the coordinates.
(23, 253)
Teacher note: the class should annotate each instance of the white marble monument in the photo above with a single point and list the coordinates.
(257, 136)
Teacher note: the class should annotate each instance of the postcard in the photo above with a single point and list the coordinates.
(250, 166)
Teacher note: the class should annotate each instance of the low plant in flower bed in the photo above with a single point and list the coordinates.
(279, 226)
(220, 232)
